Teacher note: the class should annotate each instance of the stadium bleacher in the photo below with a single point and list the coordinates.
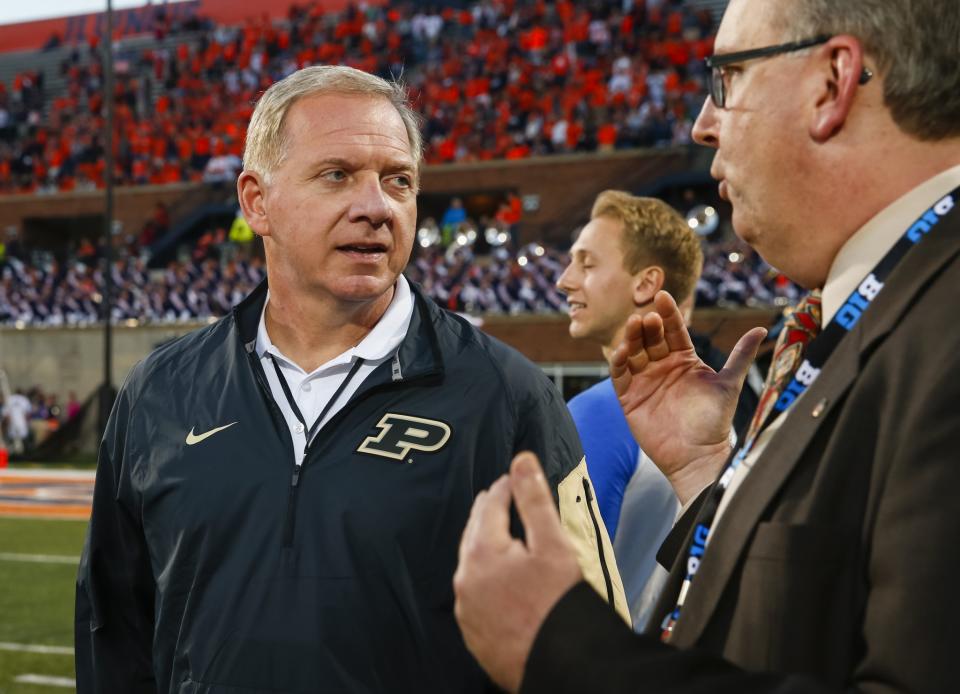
(216, 273)
(501, 80)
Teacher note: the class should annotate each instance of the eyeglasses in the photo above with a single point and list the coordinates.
(716, 63)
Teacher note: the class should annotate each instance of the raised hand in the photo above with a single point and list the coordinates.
(504, 587)
(678, 408)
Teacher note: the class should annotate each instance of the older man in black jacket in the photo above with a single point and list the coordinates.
(279, 496)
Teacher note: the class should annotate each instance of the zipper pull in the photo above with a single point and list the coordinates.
(587, 491)
(298, 467)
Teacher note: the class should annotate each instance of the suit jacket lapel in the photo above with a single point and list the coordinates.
(785, 449)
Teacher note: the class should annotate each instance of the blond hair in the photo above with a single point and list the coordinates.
(654, 234)
(266, 142)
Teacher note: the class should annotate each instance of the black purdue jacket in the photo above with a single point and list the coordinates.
(208, 569)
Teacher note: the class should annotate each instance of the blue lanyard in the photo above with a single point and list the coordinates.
(817, 353)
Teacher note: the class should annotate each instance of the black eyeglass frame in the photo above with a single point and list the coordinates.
(716, 62)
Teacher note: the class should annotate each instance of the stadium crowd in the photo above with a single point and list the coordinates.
(502, 282)
(51, 293)
(214, 274)
(734, 275)
(502, 79)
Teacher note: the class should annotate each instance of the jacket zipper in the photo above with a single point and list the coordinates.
(290, 519)
(596, 529)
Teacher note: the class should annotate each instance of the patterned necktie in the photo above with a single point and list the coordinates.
(800, 327)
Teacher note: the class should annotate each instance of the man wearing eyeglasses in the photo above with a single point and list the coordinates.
(817, 557)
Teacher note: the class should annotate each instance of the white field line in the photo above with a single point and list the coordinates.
(40, 558)
(45, 680)
(36, 648)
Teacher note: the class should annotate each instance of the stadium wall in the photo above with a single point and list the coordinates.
(61, 360)
(559, 190)
(564, 186)
(65, 359)
(133, 206)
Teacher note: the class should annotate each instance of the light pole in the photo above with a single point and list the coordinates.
(106, 389)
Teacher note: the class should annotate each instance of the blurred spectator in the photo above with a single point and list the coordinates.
(52, 42)
(223, 167)
(12, 245)
(155, 227)
(509, 214)
(54, 413)
(454, 213)
(16, 413)
(73, 407)
(28, 418)
(240, 231)
(87, 252)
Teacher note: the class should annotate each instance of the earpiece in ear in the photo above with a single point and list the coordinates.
(866, 75)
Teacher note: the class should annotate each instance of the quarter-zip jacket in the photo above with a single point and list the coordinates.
(213, 565)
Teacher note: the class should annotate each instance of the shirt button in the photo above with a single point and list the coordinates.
(299, 428)
(305, 387)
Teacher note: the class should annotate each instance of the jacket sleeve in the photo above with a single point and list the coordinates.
(547, 429)
(115, 587)
(583, 647)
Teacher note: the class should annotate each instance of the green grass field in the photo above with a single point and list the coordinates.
(36, 600)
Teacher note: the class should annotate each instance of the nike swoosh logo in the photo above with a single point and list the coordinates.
(197, 438)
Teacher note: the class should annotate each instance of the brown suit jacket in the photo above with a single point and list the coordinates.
(833, 568)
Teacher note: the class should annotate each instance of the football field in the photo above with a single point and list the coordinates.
(42, 524)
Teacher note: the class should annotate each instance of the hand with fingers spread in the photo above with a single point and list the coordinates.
(504, 587)
(678, 408)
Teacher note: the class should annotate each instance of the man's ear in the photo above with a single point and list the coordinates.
(646, 284)
(251, 192)
(841, 79)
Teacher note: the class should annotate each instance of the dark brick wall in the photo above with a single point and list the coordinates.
(545, 338)
(566, 186)
(133, 206)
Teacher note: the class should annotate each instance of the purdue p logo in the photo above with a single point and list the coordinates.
(401, 433)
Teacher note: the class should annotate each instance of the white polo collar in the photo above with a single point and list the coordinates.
(380, 343)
